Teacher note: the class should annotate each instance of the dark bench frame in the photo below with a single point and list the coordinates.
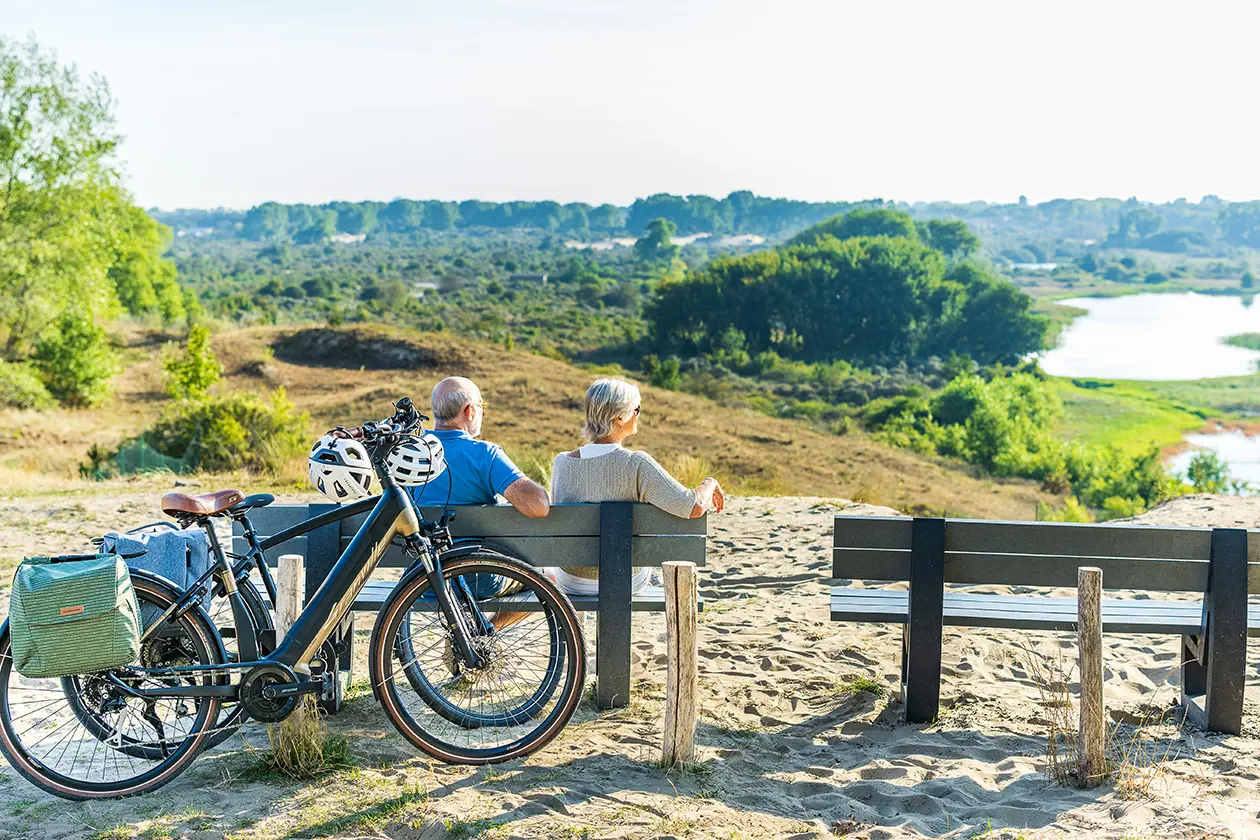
(616, 536)
(1222, 564)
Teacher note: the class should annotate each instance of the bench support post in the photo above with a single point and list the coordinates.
(323, 549)
(921, 646)
(1223, 667)
(612, 651)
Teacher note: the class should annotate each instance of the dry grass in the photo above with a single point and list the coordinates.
(1136, 755)
(535, 411)
(301, 746)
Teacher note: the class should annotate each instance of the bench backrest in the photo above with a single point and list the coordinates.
(569, 536)
(1143, 557)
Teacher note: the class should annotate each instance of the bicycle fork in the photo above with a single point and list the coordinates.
(461, 634)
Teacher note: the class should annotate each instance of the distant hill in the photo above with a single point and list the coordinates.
(535, 407)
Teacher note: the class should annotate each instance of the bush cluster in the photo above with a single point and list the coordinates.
(1002, 425)
(238, 431)
(20, 387)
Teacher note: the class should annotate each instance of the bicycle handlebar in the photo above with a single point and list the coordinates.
(406, 421)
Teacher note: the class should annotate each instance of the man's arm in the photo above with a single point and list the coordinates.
(528, 497)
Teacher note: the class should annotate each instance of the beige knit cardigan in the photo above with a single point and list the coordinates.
(622, 475)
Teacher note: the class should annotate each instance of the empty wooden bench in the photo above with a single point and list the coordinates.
(1220, 566)
(616, 536)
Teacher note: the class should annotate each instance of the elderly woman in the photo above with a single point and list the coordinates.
(602, 470)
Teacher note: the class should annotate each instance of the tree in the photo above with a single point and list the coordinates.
(951, 237)
(58, 191)
(656, 245)
(1248, 280)
(142, 280)
(190, 375)
(266, 221)
(877, 222)
(74, 359)
(992, 321)
(319, 231)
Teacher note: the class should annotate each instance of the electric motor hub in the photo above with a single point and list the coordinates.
(260, 677)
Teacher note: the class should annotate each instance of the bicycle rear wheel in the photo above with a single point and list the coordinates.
(82, 737)
(526, 690)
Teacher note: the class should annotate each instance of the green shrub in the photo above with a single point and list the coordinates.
(238, 431)
(1072, 511)
(20, 387)
(190, 375)
(665, 375)
(74, 359)
(1208, 473)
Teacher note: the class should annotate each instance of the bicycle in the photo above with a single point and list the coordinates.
(456, 684)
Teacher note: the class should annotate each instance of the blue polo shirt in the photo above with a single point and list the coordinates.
(476, 470)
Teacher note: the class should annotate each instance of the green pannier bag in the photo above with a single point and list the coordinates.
(73, 617)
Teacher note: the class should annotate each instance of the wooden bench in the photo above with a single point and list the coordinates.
(616, 536)
(1221, 566)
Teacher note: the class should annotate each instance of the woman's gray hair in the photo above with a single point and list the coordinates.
(608, 400)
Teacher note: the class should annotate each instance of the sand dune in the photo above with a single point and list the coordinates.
(787, 750)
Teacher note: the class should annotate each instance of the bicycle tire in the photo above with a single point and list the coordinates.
(383, 648)
(37, 771)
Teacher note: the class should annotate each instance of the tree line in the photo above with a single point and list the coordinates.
(1060, 229)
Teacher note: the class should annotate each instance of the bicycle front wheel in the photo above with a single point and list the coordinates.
(86, 737)
(528, 683)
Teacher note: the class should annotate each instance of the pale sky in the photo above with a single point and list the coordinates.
(235, 102)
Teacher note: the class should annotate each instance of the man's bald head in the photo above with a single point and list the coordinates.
(452, 397)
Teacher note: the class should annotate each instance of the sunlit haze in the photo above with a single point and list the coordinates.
(233, 103)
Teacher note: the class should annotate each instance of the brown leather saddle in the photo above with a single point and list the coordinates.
(208, 504)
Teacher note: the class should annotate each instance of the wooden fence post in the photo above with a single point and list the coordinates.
(290, 598)
(1092, 747)
(680, 686)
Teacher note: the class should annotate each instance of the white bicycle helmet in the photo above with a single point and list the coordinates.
(416, 461)
(341, 469)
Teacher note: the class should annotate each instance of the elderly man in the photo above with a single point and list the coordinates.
(477, 470)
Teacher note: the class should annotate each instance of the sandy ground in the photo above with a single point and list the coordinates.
(788, 749)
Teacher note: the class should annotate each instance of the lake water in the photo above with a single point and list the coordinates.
(1241, 452)
(1174, 336)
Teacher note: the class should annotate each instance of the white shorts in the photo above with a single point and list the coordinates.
(573, 585)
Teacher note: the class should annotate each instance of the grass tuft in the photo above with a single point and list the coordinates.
(302, 748)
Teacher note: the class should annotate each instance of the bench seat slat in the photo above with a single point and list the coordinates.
(1032, 603)
(1038, 613)
(564, 520)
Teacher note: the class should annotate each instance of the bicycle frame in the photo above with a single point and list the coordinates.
(394, 514)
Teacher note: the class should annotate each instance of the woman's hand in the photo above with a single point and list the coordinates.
(718, 500)
(708, 495)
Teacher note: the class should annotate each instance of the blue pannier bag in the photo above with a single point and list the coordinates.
(161, 548)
